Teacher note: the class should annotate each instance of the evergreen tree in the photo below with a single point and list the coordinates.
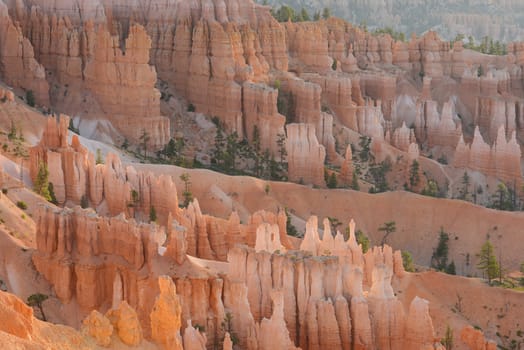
(37, 300)
(407, 261)
(326, 13)
(282, 151)
(364, 144)
(30, 98)
(414, 177)
(230, 157)
(152, 214)
(305, 15)
(144, 138)
(354, 182)
(439, 259)
(52, 193)
(503, 198)
(188, 196)
(451, 269)
(41, 185)
(388, 228)
(12, 132)
(284, 14)
(363, 240)
(290, 228)
(464, 191)
(488, 262)
(220, 146)
(332, 181)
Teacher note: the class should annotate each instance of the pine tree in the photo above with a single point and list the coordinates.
(488, 262)
(326, 13)
(388, 227)
(30, 98)
(144, 138)
(41, 185)
(439, 259)
(407, 261)
(464, 191)
(52, 193)
(281, 143)
(188, 196)
(363, 240)
(291, 230)
(451, 269)
(354, 182)
(414, 177)
(152, 214)
(305, 15)
(37, 300)
(332, 181)
(220, 146)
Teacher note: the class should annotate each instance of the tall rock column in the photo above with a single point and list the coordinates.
(305, 155)
(166, 316)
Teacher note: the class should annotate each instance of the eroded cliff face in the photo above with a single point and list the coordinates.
(18, 66)
(328, 294)
(93, 73)
(232, 60)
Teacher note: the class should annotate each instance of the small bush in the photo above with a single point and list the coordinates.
(4, 190)
(22, 205)
(191, 107)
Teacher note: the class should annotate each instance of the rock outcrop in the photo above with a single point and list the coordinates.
(259, 103)
(325, 307)
(475, 339)
(94, 74)
(66, 237)
(77, 178)
(305, 155)
(502, 160)
(165, 317)
(18, 66)
(346, 170)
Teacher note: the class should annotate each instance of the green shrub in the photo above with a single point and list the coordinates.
(22, 205)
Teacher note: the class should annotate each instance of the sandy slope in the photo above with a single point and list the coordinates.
(458, 301)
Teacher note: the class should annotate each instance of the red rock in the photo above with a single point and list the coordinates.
(305, 155)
